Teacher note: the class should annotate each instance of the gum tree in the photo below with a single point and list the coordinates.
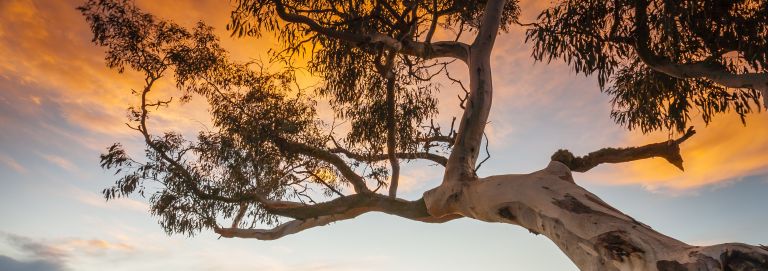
(270, 161)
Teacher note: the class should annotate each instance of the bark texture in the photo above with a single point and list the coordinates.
(594, 235)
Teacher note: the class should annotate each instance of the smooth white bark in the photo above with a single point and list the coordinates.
(594, 235)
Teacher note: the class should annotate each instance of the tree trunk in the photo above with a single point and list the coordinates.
(594, 235)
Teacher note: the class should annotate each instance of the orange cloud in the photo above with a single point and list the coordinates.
(48, 47)
(54, 53)
(92, 246)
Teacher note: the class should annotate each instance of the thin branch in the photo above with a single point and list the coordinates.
(358, 183)
(240, 214)
(400, 155)
(320, 180)
(487, 152)
(462, 101)
(389, 75)
(433, 24)
(436, 138)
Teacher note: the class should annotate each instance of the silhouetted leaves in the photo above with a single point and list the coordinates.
(601, 37)
(267, 139)
(251, 109)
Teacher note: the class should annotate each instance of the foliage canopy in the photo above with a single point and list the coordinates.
(269, 156)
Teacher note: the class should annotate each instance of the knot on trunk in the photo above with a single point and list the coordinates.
(573, 205)
(619, 245)
(444, 199)
(560, 170)
(743, 260)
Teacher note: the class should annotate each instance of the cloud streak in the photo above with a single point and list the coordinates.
(96, 200)
(54, 255)
(12, 163)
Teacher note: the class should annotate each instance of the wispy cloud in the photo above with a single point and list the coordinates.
(92, 247)
(96, 200)
(60, 162)
(12, 163)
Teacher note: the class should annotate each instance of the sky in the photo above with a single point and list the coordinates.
(60, 107)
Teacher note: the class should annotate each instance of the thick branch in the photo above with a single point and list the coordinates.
(669, 150)
(461, 163)
(408, 209)
(460, 168)
(592, 233)
(433, 23)
(284, 229)
(340, 209)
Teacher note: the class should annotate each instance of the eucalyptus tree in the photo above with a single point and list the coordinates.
(270, 161)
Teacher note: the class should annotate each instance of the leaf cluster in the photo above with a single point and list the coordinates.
(604, 37)
(194, 182)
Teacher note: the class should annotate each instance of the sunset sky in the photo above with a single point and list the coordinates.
(60, 107)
